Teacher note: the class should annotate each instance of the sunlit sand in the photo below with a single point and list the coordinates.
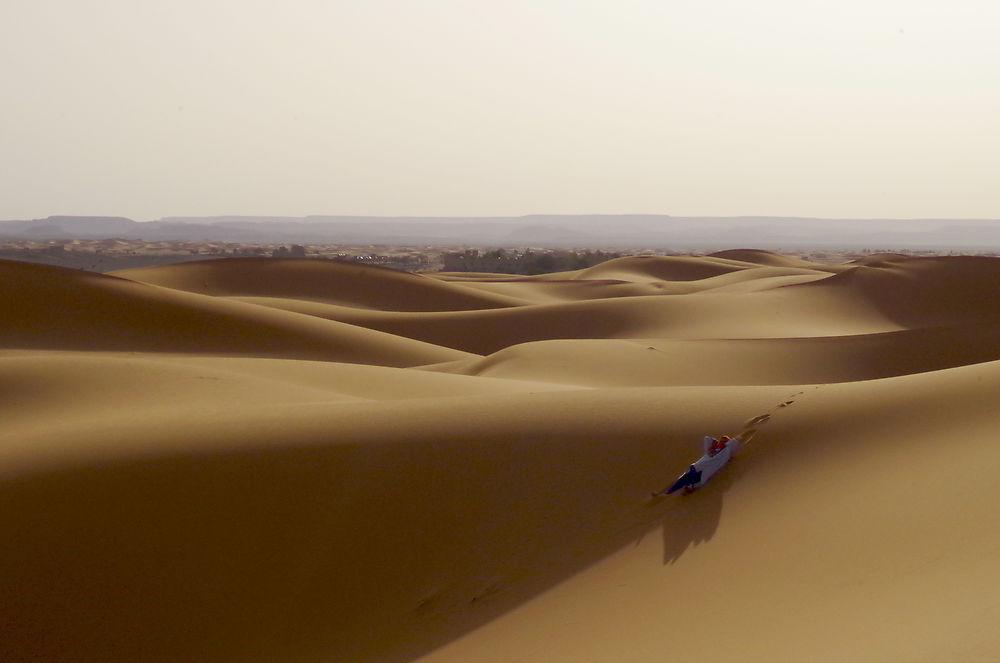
(304, 461)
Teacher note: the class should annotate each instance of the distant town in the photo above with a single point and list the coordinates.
(106, 255)
(531, 244)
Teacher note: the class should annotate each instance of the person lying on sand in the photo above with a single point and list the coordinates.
(717, 452)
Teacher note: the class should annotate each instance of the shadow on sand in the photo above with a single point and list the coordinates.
(690, 520)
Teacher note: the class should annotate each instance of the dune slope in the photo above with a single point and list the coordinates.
(750, 361)
(53, 308)
(854, 526)
(345, 283)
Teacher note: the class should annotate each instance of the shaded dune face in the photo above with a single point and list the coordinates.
(344, 283)
(60, 309)
(922, 292)
(298, 460)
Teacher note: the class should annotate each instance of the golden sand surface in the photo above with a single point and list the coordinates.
(292, 460)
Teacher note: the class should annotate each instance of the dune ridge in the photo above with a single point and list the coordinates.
(54, 308)
(752, 361)
(246, 460)
(344, 283)
(776, 312)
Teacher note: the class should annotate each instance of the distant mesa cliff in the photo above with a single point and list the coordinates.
(69, 227)
(618, 231)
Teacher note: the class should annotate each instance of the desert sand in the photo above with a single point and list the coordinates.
(307, 461)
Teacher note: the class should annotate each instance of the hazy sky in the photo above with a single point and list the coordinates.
(852, 108)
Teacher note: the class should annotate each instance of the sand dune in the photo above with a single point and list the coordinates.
(663, 268)
(919, 292)
(855, 526)
(537, 291)
(758, 257)
(345, 283)
(46, 307)
(778, 312)
(250, 460)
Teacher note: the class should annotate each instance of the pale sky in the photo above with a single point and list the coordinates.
(845, 108)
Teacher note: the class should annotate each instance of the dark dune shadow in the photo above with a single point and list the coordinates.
(926, 291)
(360, 551)
(375, 552)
